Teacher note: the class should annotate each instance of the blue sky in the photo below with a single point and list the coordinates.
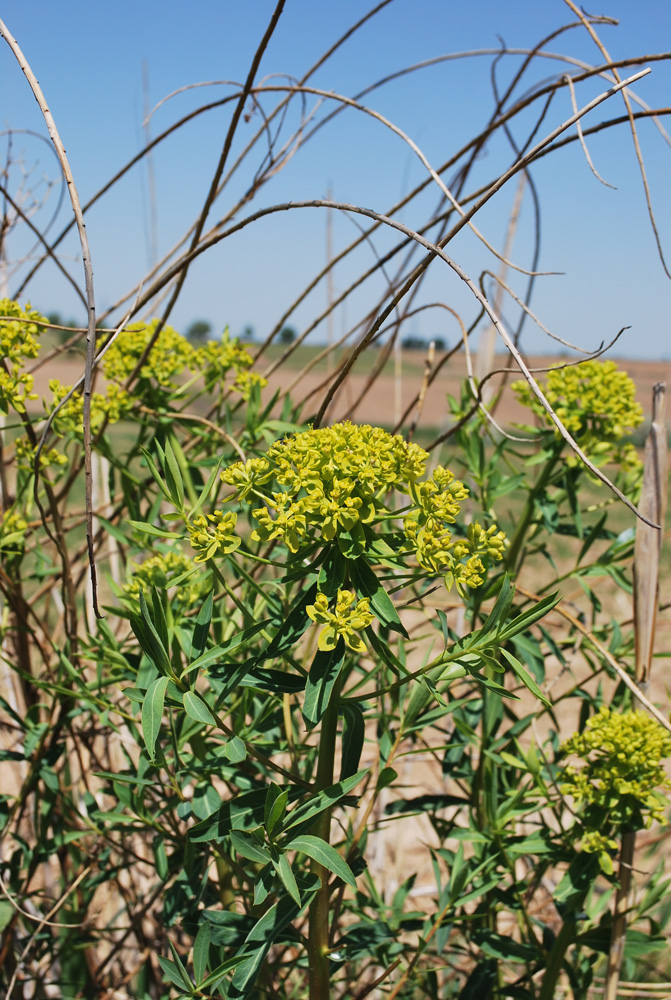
(89, 60)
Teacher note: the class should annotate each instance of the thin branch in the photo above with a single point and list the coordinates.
(90, 300)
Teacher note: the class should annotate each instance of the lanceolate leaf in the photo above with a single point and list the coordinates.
(149, 638)
(323, 800)
(259, 942)
(527, 619)
(324, 673)
(524, 676)
(294, 625)
(201, 951)
(352, 739)
(216, 654)
(195, 708)
(502, 606)
(248, 848)
(151, 529)
(368, 585)
(283, 869)
(324, 854)
(202, 629)
(152, 713)
(172, 973)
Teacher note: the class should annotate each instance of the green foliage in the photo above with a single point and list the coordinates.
(220, 755)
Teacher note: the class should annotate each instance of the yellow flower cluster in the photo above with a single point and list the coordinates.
(460, 560)
(13, 527)
(596, 402)
(622, 770)
(325, 483)
(168, 358)
(18, 342)
(219, 357)
(245, 381)
(158, 571)
(25, 456)
(332, 483)
(213, 533)
(349, 618)
(114, 405)
(172, 354)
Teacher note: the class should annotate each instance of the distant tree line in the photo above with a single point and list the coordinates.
(413, 342)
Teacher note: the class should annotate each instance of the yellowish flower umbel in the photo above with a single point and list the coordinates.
(213, 533)
(332, 484)
(18, 343)
(348, 619)
(168, 358)
(596, 402)
(617, 787)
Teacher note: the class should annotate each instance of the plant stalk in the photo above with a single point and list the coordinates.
(318, 921)
(512, 556)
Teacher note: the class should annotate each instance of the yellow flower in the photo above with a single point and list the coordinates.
(348, 619)
(595, 401)
(213, 533)
(168, 358)
(13, 528)
(245, 382)
(18, 342)
(622, 770)
(158, 571)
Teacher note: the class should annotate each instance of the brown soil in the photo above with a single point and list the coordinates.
(384, 401)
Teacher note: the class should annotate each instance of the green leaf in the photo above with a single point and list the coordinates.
(294, 624)
(235, 751)
(332, 573)
(177, 969)
(149, 638)
(152, 713)
(324, 854)
(275, 807)
(218, 974)
(201, 951)
(324, 672)
(195, 708)
(161, 857)
(260, 940)
(576, 882)
(202, 628)
(524, 676)
(527, 619)
(173, 475)
(501, 609)
(159, 620)
(244, 812)
(352, 738)
(215, 654)
(367, 583)
(153, 468)
(248, 848)
(151, 529)
(323, 800)
(206, 490)
(172, 974)
(287, 878)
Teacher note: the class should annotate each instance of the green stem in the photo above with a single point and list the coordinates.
(556, 958)
(512, 557)
(318, 924)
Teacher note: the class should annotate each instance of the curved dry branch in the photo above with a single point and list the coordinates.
(90, 299)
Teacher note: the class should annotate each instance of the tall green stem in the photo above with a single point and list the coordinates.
(512, 557)
(555, 959)
(318, 924)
